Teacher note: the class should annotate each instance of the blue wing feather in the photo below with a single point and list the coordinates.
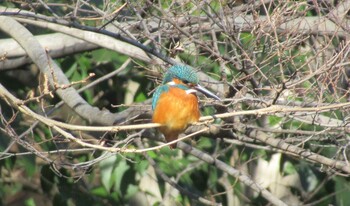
(157, 93)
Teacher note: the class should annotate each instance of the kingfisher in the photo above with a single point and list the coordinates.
(175, 103)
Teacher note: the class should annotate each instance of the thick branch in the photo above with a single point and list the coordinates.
(54, 74)
(57, 45)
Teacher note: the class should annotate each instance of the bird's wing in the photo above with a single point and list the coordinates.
(157, 93)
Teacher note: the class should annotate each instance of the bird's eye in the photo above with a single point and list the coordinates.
(185, 81)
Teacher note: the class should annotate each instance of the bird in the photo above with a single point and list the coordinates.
(175, 103)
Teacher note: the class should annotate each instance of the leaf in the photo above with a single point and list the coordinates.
(152, 154)
(47, 178)
(288, 168)
(28, 162)
(118, 174)
(100, 191)
(274, 120)
(342, 187)
(141, 166)
(268, 175)
(107, 167)
(105, 56)
(131, 191)
(308, 179)
(71, 70)
(140, 97)
(84, 64)
(29, 202)
(204, 143)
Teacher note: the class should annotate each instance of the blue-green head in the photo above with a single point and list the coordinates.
(183, 73)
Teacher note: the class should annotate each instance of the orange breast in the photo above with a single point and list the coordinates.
(175, 110)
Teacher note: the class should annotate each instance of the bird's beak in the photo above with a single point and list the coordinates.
(206, 92)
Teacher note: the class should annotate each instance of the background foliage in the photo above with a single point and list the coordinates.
(283, 64)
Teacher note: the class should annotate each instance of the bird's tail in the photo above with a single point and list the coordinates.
(171, 137)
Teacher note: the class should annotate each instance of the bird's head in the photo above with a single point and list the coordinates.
(179, 74)
(184, 75)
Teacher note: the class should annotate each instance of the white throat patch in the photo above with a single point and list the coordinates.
(191, 91)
